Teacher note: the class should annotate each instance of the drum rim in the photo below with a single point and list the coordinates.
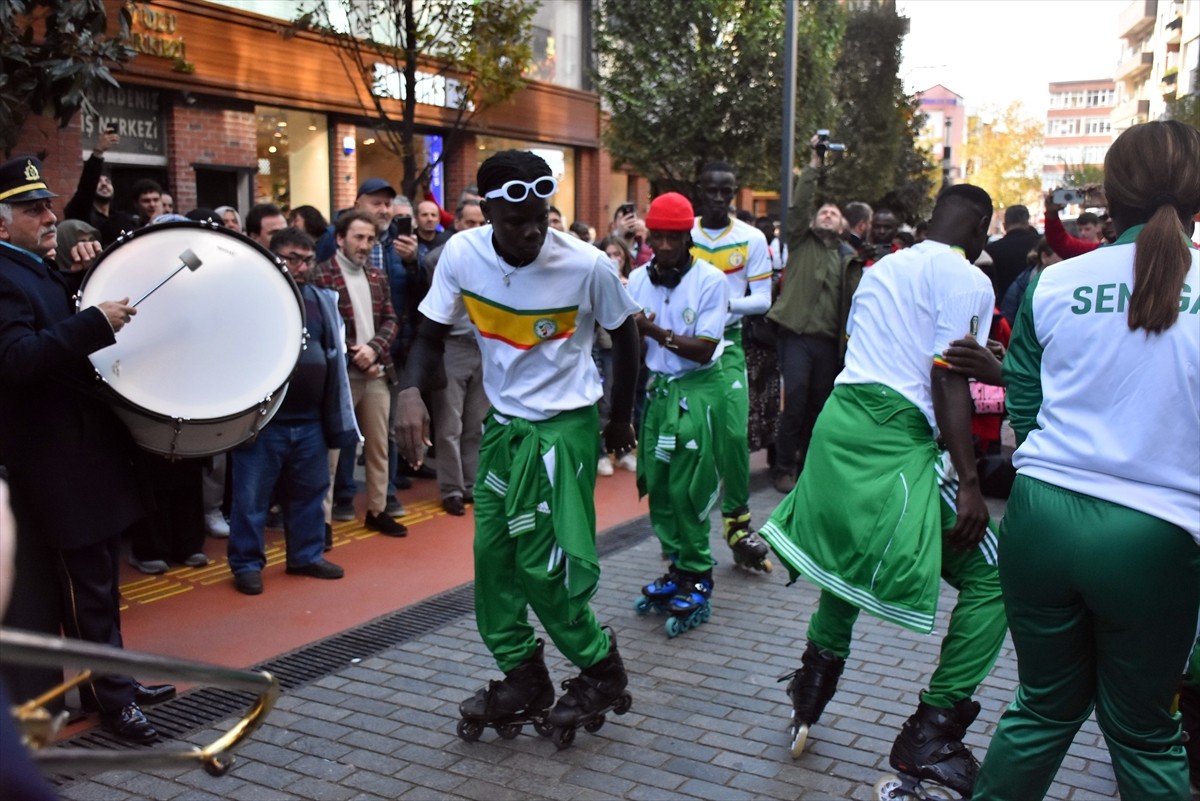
(121, 400)
(205, 225)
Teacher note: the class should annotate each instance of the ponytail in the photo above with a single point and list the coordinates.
(1152, 176)
(1160, 265)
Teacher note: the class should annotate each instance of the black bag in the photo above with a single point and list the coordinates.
(996, 474)
(760, 330)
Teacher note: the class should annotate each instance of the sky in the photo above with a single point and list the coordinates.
(995, 51)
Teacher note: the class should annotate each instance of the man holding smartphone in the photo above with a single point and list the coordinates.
(627, 226)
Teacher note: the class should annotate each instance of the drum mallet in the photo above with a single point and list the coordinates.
(189, 259)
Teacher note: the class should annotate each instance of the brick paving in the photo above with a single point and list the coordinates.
(708, 721)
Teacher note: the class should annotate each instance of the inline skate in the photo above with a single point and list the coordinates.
(810, 689)
(749, 551)
(690, 607)
(587, 697)
(524, 695)
(656, 596)
(930, 756)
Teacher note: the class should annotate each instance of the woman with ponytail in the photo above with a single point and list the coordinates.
(1100, 546)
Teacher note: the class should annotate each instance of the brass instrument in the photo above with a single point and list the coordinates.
(38, 727)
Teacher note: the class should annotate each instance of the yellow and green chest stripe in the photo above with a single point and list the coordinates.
(726, 258)
(520, 328)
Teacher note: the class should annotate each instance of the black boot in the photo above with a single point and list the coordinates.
(813, 684)
(524, 689)
(593, 691)
(930, 746)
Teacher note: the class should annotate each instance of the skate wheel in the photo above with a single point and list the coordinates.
(543, 728)
(799, 740)
(593, 725)
(888, 788)
(767, 567)
(643, 605)
(623, 704)
(469, 730)
(674, 627)
(509, 731)
(563, 737)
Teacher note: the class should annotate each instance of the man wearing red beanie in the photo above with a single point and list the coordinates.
(684, 301)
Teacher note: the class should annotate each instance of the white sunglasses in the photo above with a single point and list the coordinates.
(518, 191)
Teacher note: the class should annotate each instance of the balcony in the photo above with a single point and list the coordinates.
(1134, 65)
(1173, 30)
(1169, 83)
(1137, 18)
(1131, 112)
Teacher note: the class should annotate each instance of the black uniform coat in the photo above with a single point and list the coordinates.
(69, 458)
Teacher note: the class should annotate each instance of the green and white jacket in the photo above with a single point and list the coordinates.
(1102, 410)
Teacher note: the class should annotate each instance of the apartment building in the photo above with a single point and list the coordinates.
(1159, 58)
(1078, 128)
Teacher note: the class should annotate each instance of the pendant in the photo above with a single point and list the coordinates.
(506, 275)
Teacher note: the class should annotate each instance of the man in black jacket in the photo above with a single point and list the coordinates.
(1010, 252)
(69, 459)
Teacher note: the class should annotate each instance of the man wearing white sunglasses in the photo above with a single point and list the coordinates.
(534, 297)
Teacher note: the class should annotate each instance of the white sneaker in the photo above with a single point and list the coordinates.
(628, 462)
(215, 523)
(604, 467)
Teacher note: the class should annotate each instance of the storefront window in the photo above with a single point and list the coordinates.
(293, 159)
(562, 164)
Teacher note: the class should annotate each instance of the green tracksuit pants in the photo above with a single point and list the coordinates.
(731, 430)
(680, 474)
(535, 537)
(1102, 601)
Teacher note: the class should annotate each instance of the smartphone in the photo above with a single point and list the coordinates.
(401, 225)
(1069, 197)
(111, 129)
(626, 208)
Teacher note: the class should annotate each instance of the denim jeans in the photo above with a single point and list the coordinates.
(296, 456)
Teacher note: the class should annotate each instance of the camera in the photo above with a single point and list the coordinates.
(824, 146)
(401, 225)
(1069, 197)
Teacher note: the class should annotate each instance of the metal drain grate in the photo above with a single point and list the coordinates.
(194, 710)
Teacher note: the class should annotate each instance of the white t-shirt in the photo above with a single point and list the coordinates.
(1120, 411)
(740, 252)
(535, 324)
(695, 308)
(908, 308)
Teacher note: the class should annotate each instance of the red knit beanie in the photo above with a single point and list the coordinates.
(670, 212)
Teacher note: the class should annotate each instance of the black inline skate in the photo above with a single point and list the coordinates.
(749, 551)
(524, 695)
(810, 689)
(930, 749)
(587, 697)
(690, 607)
(656, 596)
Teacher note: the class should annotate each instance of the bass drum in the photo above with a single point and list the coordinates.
(204, 364)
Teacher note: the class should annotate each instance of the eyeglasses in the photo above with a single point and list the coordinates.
(518, 191)
(295, 259)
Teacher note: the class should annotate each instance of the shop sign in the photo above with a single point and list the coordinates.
(136, 116)
(431, 90)
(154, 33)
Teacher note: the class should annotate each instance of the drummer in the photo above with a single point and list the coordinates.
(68, 456)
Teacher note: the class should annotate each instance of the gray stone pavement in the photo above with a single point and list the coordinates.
(708, 720)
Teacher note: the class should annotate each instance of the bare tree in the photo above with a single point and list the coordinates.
(464, 56)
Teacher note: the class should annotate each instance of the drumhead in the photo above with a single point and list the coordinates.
(211, 342)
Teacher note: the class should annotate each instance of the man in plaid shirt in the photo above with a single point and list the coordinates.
(364, 300)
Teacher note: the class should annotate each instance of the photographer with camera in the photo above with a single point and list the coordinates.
(814, 303)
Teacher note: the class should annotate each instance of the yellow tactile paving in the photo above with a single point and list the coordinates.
(148, 589)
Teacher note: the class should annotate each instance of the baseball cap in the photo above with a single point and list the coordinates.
(373, 185)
